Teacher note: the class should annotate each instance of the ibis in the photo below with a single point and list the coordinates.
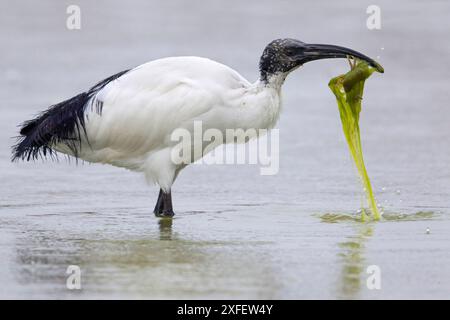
(127, 119)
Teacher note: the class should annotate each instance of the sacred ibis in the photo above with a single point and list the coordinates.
(126, 120)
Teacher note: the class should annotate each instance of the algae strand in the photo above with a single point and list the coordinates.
(348, 89)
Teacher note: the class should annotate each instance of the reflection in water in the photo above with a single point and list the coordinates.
(352, 253)
(156, 263)
(165, 228)
(352, 259)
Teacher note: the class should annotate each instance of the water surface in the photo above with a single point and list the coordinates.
(236, 234)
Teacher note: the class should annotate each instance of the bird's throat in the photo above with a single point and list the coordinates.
(274, 80)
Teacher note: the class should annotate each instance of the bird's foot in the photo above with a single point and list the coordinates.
(164, 214)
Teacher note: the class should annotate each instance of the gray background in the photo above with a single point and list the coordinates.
(236, 234)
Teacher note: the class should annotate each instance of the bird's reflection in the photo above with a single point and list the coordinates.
(352, 259)
(165, 228)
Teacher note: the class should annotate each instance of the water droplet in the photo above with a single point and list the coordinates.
(428, 231)
(383, 189)
(398, 191)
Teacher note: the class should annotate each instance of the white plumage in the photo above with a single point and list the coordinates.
(142, 108)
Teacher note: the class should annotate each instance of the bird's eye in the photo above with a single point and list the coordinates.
(290, 51)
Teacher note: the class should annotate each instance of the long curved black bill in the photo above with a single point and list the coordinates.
(313, 52)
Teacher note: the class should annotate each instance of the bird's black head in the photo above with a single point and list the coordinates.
(281, 56)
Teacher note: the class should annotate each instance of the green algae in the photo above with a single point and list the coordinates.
(387, 217)
(348, 89)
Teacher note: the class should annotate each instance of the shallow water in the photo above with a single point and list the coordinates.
(236, 234)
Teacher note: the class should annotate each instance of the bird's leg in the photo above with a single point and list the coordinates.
(167, 205)
(163, 206)
(159, 204)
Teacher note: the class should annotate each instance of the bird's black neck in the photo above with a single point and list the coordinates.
(270, 75)
(271, 72)
(266, 68)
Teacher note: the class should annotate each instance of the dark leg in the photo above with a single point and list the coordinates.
(167, 205)
(163, 206)
(159, 204)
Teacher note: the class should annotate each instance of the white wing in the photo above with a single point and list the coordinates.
(128, 118)
(141, 108)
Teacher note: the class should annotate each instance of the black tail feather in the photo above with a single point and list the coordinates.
(27, 126)
(61, 123)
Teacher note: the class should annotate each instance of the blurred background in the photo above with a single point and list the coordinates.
(236, 234)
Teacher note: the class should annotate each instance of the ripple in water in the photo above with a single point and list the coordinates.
(387, 216)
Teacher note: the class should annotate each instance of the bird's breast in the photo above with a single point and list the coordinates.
(260, 109)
